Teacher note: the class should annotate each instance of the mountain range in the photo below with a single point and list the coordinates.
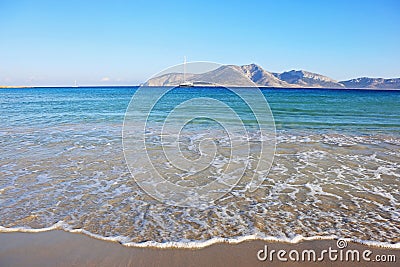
(234, 75)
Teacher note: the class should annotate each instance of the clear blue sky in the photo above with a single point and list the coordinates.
(125, 42)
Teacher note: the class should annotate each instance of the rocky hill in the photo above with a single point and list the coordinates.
(262, 77)
(373, 83)
(255, 75)
(303, 78)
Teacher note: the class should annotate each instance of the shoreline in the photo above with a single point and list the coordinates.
(61, 226)
(60, 248)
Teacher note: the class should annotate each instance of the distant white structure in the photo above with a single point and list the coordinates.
(185, 83)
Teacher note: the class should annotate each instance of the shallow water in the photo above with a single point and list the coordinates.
(335, 172)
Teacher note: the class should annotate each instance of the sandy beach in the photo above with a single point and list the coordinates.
(59, 248)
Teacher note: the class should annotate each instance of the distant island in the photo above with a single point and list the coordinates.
(253, 73)
(14, 86)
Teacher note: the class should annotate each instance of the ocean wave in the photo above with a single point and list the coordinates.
(198, 244)
(320, 184)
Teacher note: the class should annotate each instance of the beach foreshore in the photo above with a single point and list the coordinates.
(59, 248)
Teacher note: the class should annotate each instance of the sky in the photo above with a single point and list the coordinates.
(126, 42)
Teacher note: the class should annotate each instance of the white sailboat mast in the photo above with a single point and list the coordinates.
(184, 69)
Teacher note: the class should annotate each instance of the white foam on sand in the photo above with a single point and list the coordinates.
(198, 244)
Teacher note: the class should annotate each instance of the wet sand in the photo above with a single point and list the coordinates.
(59, 248)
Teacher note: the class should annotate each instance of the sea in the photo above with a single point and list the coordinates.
(335, 171)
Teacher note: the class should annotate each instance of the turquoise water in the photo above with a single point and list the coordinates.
(336, 169)
(357, 110)
(352, 110)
